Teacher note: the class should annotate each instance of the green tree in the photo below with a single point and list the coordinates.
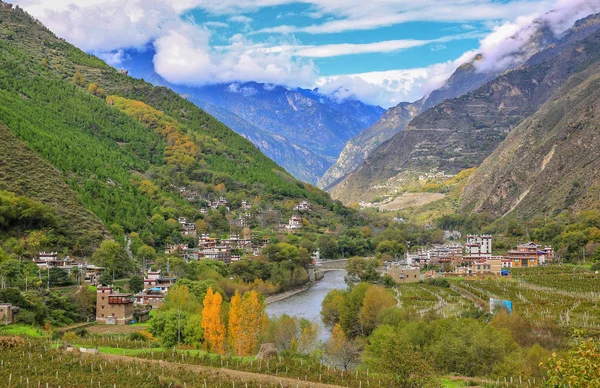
(578, 369)
(392, 352)
(136, 284)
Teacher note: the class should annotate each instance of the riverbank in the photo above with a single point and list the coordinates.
(287, 294)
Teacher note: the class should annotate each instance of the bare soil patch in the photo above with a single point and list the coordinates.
(407, 200)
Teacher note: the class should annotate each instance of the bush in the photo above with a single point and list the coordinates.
(438, 282)
(10, 342)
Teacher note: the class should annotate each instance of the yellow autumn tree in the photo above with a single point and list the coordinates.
(376, 299)
(252, 322)
(213, 326)
(235, 323)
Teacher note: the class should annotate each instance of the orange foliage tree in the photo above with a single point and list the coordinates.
(247, 321)
(212, 324)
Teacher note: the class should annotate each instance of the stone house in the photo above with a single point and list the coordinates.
(113, 308)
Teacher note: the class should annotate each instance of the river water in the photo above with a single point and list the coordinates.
(307, 304)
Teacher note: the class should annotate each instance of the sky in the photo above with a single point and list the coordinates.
(379, 51)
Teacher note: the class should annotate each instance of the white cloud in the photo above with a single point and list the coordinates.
(216, 24)
(388, 88)
(334, 50)
(184, 56)
(114, 58)
(240, 19)
(105, 25)
(512, 43)
(355, 15)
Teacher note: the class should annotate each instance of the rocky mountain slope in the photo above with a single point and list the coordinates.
(550, 162)
(464, 79)
(460, 133)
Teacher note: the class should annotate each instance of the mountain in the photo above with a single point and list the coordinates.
(464, 79)
(550, 162)
(313, 124)
(299, 161)
(460, 133)
(303, 130)
(358, 148)
(110, 152)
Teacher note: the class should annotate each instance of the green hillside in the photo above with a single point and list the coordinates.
(122, 167)
(25, 173)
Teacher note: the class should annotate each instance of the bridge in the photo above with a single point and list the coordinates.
(332, 265)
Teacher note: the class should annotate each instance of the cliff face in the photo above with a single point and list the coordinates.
(460, 133)
(550, 162)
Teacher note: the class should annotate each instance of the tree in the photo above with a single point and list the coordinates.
(78, 79)
(234, 324)
(391, 351)
(331, 307)
(212, 324)
(578, 369)
(107, 254)
(136, 284)
(376, 299)
(341, 349)
(253, 320)
(393, 248)
(146, 252)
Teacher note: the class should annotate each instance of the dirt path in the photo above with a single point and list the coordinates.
(284, 382)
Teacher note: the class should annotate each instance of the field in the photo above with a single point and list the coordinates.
(419, 299)
(408, 200)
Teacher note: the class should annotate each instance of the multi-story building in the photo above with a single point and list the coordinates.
(113, 308)
(529, 255)
(150, 297)
(478, 246)
(303, 206)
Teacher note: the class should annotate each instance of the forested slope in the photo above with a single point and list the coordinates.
(123, 168)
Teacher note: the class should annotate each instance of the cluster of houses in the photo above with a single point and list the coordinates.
(212, 248)
(88, 273)
(474, 258)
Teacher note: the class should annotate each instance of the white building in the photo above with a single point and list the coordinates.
(479, 245)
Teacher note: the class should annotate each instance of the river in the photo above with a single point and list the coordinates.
(307, 304)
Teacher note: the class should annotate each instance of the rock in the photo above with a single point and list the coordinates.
(267, 352)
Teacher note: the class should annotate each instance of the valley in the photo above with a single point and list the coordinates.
(210, 194)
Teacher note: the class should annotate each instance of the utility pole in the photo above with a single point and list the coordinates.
(48, 280)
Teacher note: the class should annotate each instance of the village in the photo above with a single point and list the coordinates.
(474, 259)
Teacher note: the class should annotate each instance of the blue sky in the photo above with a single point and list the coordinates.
(380, 51)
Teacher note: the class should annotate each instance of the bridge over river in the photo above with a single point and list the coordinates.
(332, 265)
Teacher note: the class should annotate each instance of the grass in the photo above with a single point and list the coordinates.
(23, 330)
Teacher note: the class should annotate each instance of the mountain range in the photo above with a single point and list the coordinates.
(302, 130)
(461, 132)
